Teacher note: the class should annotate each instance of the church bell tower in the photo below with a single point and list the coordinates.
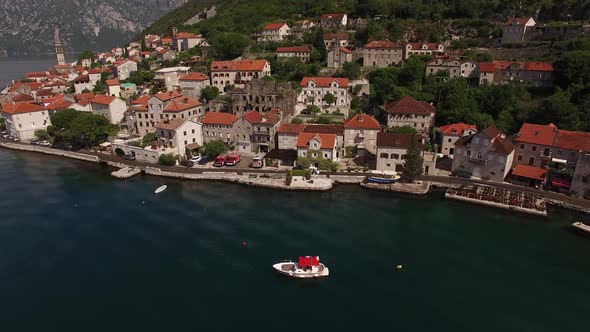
(59, 50)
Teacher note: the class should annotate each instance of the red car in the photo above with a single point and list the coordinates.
(233, 159)
(219, 161)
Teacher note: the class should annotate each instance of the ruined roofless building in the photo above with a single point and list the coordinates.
(264, 95)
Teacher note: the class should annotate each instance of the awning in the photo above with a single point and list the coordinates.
(530, 172)
(192, 146)
(559, 161)
(561, 183)
(305, 261)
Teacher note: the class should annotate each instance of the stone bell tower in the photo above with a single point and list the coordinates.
(59, 50)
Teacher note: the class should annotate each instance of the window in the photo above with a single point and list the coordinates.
(534, 148)
(522, 146)
(479, 155)
(384, 155)
(449, 140)
(395, 156)
(184, 133)
(519, 157)
(468, 153)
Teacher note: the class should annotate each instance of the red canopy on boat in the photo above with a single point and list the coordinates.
(561, 183)
(305, 261)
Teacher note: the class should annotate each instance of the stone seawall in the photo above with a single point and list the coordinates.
(50, 151)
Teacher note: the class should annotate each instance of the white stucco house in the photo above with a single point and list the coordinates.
(23, 119)
(110, 107)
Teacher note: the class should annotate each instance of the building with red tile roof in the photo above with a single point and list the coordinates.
(303, 53)
(183, 104)
(23, 119)
(335, 39)
(22, 98)
(110, 107)
(314, 90)
(194, 76)
(219, 126)
(287, 135)
(273, 32)
(486, 154)
(361, 131)
(423, 49)
(256, 131)
(449, 134)
(313, 145)
(530, 172)
(382, 53)
(224, 74)
(408, 111)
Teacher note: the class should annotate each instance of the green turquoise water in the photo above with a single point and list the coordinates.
(81, 251)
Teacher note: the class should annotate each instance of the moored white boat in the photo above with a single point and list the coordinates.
(306, 267)
(581, 227)
(160, 189)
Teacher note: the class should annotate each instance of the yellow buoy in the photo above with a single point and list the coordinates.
(399, 267)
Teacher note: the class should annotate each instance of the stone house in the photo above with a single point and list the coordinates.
(192, 83)
(540, 145)
(538, 74)
(128, 90)
(335, 20)
(180, 135)
(454, 66)
(184, 41)
(81, 83)
(491, 73)
(410, 112)
(110, 107)
(170, 77)
(361, 132)
(382, 53)
(165, 105)
(256, 132)
(449, 134)
(225, 74)
(485, 154)
(314, 89)
(312, 145)
(219, 126)
(339, 56)
(23, 119)
(392, 149)
(165, 54)
(273, 32)
(580, 185)
(337, 130)
(332, 40)
(124, 68)
(287, 135)
(263, 96)
(423, 49)
(303, 53)
(516, 28)
(113, 88)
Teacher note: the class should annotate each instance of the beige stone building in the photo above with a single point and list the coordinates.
(333, 20)
(225, 74)
(263, 96)
(287, 135)
(219, 126)
(191, 84)
(449, 134)
(165, 105)
(410, 112)
(312, 145)
(423, 49)
(339, 56)
(392, 149)
(314, 89)
(486, 154)
(454, 66)
(179, 135)
(382, 53)
(361, 132)
(256, 131)
(273, 32)
(303, 53)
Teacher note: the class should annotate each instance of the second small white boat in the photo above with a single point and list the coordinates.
(160, 189)
(306, 267)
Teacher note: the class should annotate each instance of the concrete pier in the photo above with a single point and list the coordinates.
(126, 172)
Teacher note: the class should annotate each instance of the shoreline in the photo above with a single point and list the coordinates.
(270, 179)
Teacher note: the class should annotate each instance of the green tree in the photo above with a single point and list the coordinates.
(99, 88)
(351, 70)
(215, 148)
(323, 119)
(167, 159)
(329, 99)
(573, 67)
(41, 134)
(86, 55)
(414, 162)
(209, 93)
(402, 130)
(558, 109)
(230, 44)
(149, 138)
(296, 120)
(2, 124)
(80, 129)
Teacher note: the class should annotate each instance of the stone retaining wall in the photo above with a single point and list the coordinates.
(55, 152)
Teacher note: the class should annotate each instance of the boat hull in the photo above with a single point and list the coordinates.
(291, 269)
(381, 180)
(160, 189)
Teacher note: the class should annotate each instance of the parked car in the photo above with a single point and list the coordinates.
(203, 160)
(187, 163)
(233, 159)
(219, 161)
(5, 135)
(35, 142)
(3, 132)
(256, 162)
(461, 174)
(14, 139)
(129, 157)
(195, 159)
(44, 143)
